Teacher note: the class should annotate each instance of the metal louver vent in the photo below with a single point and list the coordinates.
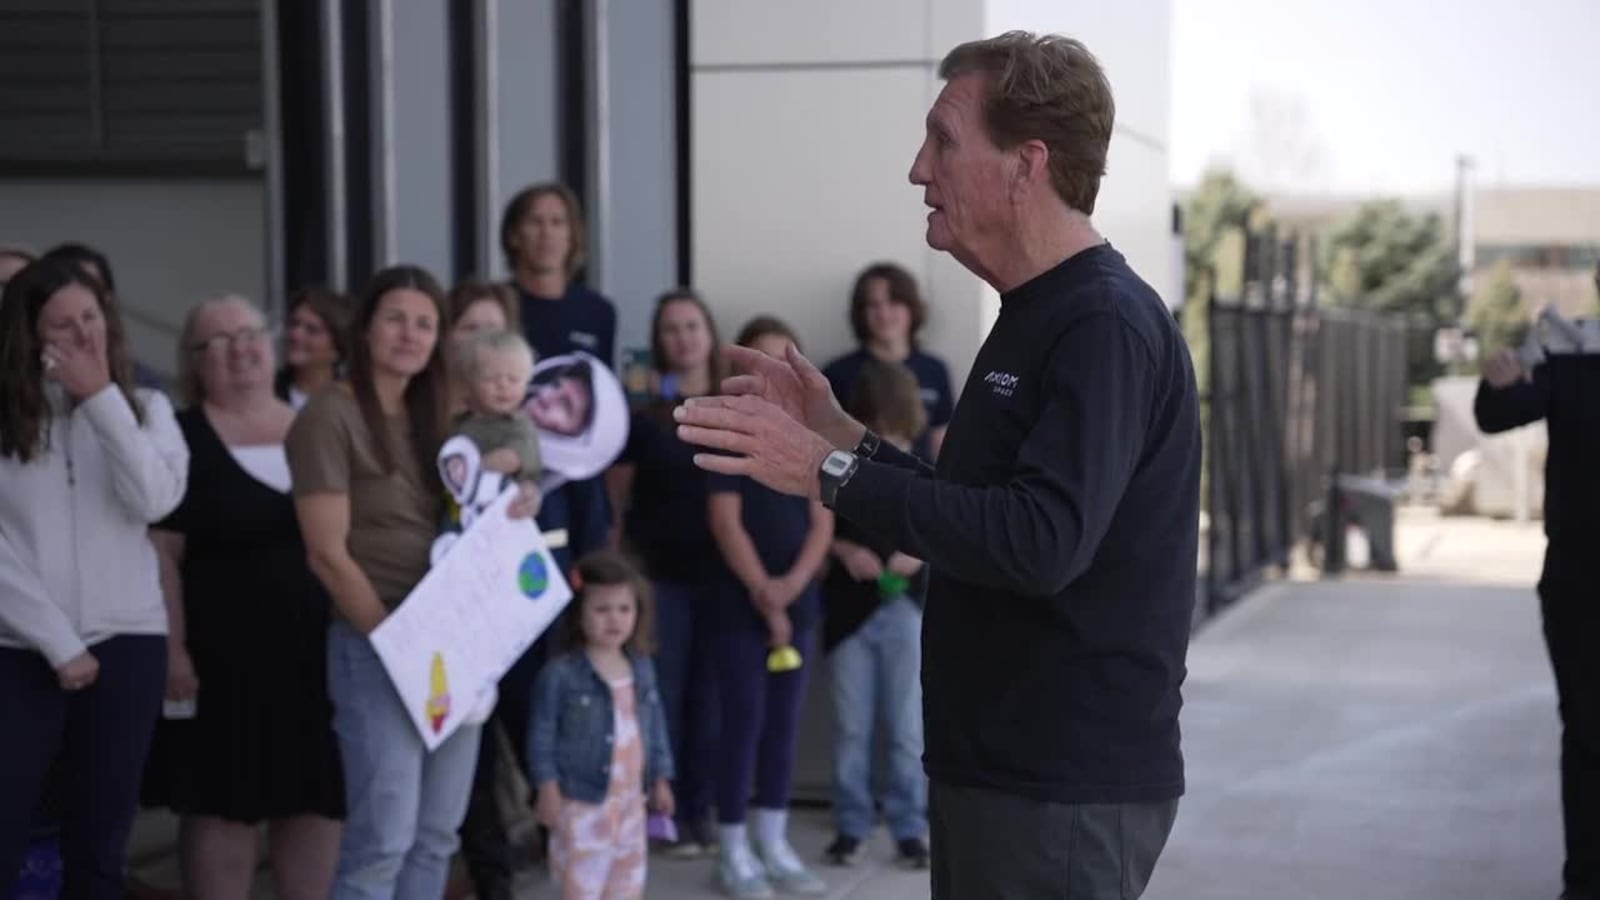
(107, 85)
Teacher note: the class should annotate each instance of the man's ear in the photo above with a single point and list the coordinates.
(1032, 165)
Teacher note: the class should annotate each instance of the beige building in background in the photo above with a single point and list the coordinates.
(1550, 235)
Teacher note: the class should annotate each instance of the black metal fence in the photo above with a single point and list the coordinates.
(1297, 392)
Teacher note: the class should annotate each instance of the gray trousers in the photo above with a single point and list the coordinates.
(987, 844)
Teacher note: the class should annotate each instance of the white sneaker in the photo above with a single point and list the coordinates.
(787, 873)
(740, 875)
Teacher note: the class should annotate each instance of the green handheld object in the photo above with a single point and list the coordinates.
(892, 584)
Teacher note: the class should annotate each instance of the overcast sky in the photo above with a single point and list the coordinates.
(1381, 95)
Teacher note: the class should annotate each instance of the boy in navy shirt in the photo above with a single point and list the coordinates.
(886, 315)
(872, 626)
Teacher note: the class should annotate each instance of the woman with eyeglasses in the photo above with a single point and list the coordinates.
(87, 463)
(248, 739)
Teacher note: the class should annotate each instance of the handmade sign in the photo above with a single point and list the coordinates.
(490, 594)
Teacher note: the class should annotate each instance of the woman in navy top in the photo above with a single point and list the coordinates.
(887, 315)
(774, 546)
(659, 495)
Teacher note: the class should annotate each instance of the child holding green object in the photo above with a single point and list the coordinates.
(872, 626)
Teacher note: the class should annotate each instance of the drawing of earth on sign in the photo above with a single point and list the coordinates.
(533, 576)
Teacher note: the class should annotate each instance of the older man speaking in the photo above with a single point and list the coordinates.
(1061, 527)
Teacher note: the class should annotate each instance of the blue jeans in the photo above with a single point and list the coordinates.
(405, 803)
(684, 663)
(877, 676)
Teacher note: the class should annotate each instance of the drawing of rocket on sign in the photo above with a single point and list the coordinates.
(438, 706)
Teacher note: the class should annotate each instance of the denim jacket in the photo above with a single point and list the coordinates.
(569, 740)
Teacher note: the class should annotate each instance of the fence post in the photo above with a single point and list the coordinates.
(1333, 536)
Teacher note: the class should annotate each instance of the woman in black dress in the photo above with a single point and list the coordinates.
(248, 737)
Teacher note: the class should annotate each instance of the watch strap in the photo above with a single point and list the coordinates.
(867, 448)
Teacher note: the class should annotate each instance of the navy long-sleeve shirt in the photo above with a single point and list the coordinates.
(581, 319)
(1062, 530)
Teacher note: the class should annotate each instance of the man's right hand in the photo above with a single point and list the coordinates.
(795, 386)
(1503, 370)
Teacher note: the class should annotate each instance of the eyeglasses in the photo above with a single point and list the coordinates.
(227, 340)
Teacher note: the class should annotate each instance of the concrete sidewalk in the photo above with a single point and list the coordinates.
(1377, 738)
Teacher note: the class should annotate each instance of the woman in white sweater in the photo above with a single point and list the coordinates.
(87, 462)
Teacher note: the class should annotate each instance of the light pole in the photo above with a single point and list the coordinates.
(1466, 255)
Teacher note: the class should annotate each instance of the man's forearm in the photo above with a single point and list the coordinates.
(893, 456)
(1502, 409)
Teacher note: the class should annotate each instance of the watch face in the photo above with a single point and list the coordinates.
(836, 464)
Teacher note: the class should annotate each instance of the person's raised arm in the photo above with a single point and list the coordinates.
(1508, 397)
(1039, 531)
(798, 388)
(149, 461)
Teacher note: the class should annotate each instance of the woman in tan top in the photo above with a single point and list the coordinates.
(369, 500)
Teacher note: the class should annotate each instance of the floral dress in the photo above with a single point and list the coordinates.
(599, 850)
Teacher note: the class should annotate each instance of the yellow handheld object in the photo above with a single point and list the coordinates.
(438, 706)
(783, 659)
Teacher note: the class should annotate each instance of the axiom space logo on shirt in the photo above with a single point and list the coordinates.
(1004, 384)
(584, 339)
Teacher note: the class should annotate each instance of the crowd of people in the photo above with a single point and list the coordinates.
(191, 569)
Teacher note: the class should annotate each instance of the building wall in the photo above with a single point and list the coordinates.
(806, 118)
(171, 242)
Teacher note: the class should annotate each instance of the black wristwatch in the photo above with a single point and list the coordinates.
(868, 447)
(837, 469)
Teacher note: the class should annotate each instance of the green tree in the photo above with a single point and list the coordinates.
(1214, 219)
(1387, 260)
(1495, 313)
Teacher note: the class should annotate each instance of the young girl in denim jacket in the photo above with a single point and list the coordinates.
(598, 742)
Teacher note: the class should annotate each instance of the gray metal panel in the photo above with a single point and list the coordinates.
(418, 110)
(528, 132)
(486, 127)
(333, 150)
(639, 216)
(272, 145)
(114, 81)
(382, 151)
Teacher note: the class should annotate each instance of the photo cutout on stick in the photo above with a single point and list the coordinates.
(581, 413)
(460, 465)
